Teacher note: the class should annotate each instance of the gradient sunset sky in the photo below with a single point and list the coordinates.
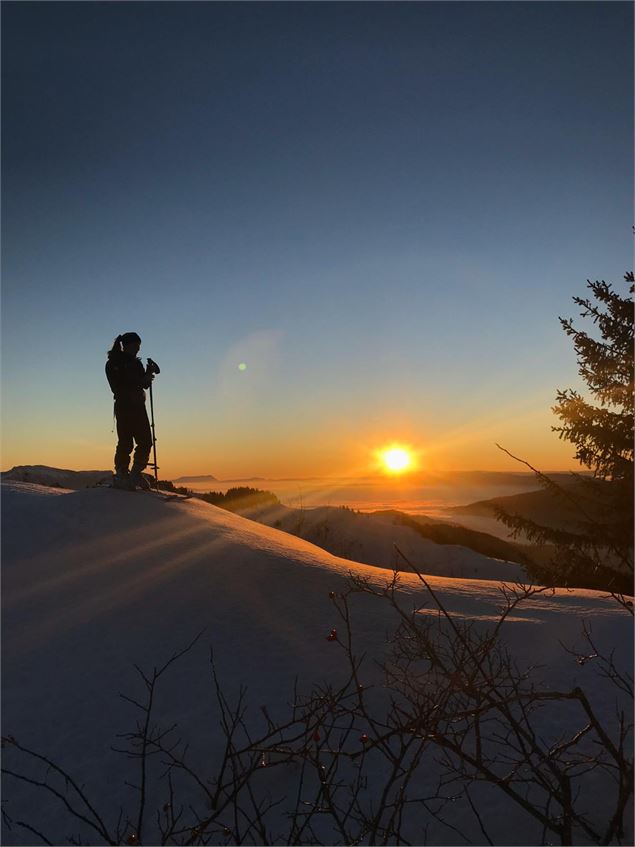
(381, 209)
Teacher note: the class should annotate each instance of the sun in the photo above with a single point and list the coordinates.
(396, 459)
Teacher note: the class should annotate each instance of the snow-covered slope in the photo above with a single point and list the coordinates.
(371, 538)
(97, 580)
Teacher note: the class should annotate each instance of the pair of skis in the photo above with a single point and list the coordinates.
(164, 495)
(155, 492)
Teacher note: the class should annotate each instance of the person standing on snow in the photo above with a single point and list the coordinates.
(128, 380)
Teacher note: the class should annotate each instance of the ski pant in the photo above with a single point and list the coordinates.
(133, 426)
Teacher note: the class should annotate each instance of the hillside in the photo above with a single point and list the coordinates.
(368, 537)
(543, 507)
(371, 538)
(96, 581)
(452, 533)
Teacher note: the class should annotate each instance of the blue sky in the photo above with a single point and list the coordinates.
(381, 208)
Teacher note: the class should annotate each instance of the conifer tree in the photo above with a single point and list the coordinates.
(598, 552)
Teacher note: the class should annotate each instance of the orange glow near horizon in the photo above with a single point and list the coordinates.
(341, 449)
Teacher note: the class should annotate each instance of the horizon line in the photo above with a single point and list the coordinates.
(416, 475)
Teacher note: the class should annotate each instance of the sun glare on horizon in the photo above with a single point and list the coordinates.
(396, 459)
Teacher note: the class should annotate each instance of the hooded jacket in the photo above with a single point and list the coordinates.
(127, 378)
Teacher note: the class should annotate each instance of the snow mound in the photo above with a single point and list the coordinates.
(45, 475)
(14, 489)
(98, 580)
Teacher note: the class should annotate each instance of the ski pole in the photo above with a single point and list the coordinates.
(154, 441)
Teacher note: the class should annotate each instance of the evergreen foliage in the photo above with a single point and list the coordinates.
(239, 498)
(599, 553)
(168, 485)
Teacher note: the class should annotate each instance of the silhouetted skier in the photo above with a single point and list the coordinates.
(128, 380)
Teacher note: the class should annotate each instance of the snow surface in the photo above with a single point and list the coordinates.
(47, 476)
(371, 538)
(97, 580)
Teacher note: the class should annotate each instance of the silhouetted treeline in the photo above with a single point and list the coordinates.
(167, 485)
(445, 533)
(239, 498)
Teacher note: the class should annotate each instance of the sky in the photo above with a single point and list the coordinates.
(379, 210)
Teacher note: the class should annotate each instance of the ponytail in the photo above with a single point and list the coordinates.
(116, 347)
(120, 340)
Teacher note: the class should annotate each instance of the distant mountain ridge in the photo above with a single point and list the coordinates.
(203, 478)
(47, 475)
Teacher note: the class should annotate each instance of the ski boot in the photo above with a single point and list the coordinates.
(139, 480)
(121, 479)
